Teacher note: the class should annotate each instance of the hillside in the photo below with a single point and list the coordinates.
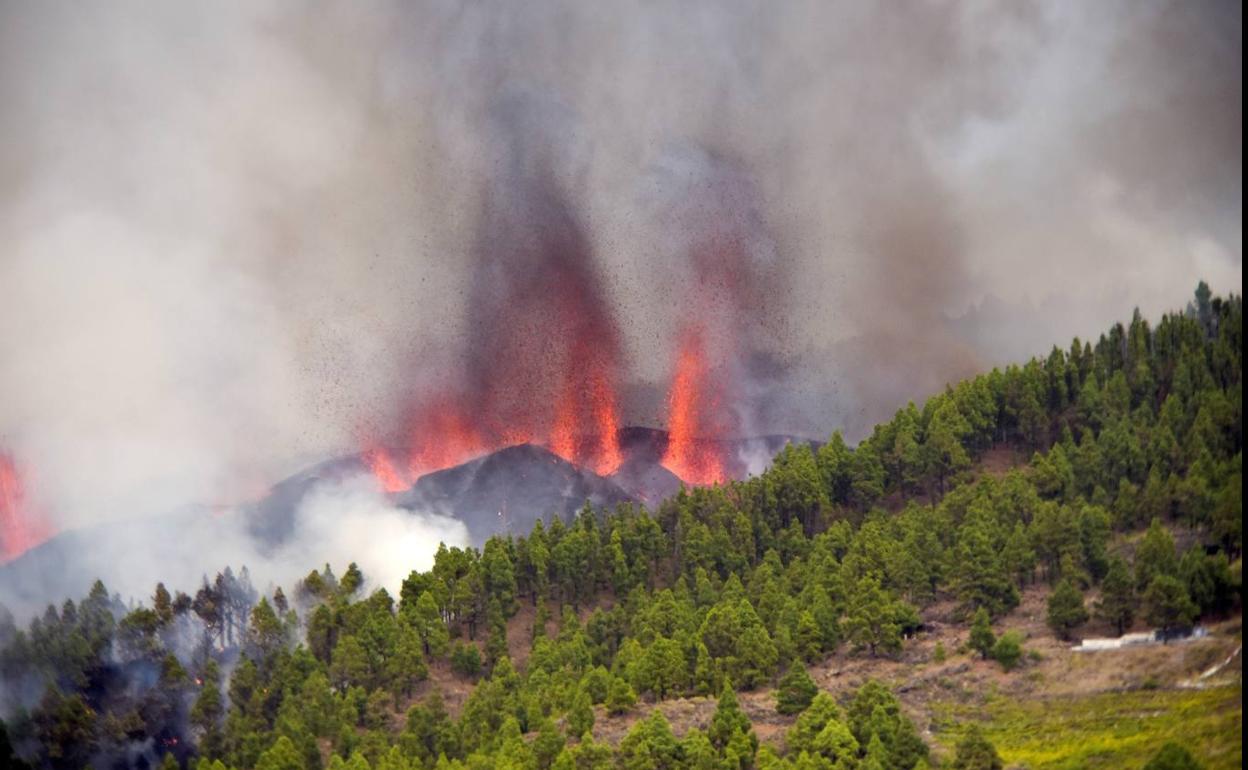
(908, 602)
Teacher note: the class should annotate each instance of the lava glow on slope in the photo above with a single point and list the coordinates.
(20, 527)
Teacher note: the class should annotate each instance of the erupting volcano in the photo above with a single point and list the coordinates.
(20, 528)
(539, 359)
(540, 355)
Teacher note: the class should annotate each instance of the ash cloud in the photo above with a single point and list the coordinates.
(237, 237)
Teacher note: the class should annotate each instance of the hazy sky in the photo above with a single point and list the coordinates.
(231, 234)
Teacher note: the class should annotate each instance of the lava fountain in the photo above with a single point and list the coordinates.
(693, 405)
(20, 527)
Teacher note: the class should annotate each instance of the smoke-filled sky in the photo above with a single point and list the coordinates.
(236, 236)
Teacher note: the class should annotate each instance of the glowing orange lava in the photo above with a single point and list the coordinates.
(588, 397)
(442, 435)
(20, 528)
(692, 453)
(379, 462)
(607, 424)
(563, 438)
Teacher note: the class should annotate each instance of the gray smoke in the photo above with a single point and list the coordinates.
(235, 236)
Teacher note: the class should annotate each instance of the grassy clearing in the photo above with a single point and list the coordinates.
(1108, 730)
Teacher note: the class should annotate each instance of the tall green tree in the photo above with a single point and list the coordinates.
(795, 690)
(1066, 610)
(1117, 603)
(1155, 556)
(1168, 606)
(982, 638)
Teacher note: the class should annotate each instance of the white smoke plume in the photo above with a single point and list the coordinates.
(338, 522)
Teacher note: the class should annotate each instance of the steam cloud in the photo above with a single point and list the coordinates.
(238, 239)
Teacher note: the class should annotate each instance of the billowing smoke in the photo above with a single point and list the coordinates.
(234, 245)
(337, 522)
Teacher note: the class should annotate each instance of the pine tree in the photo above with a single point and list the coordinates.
(871, 618)
(427, 620)
(1019, 556)
(1066, 611)
(728, 720)
(620, 697)
(466, 659)
(944, 453)
(1169, 608)
(796, 690)
(352, 580)
(547, 745)
(162, 604)
(282, 755)
(208, 711)
(649, 744)
(980, 576)
(1117, 603)
(580, 718)
(982, 639)
(1155, 556)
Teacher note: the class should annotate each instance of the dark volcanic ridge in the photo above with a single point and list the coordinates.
(504, 491)
(509, 489)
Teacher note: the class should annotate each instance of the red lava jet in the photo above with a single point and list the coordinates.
(20, 527)
(694, 406)
(727, 314)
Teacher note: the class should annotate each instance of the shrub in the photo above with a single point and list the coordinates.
(1008, 650)
(975, 752)
(982, 638)
(1172, 756)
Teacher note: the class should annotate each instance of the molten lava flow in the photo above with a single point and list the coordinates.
(691, 453)
(20, 528)
(379, 462)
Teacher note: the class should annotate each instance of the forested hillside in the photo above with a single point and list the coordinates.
(1074, 473)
